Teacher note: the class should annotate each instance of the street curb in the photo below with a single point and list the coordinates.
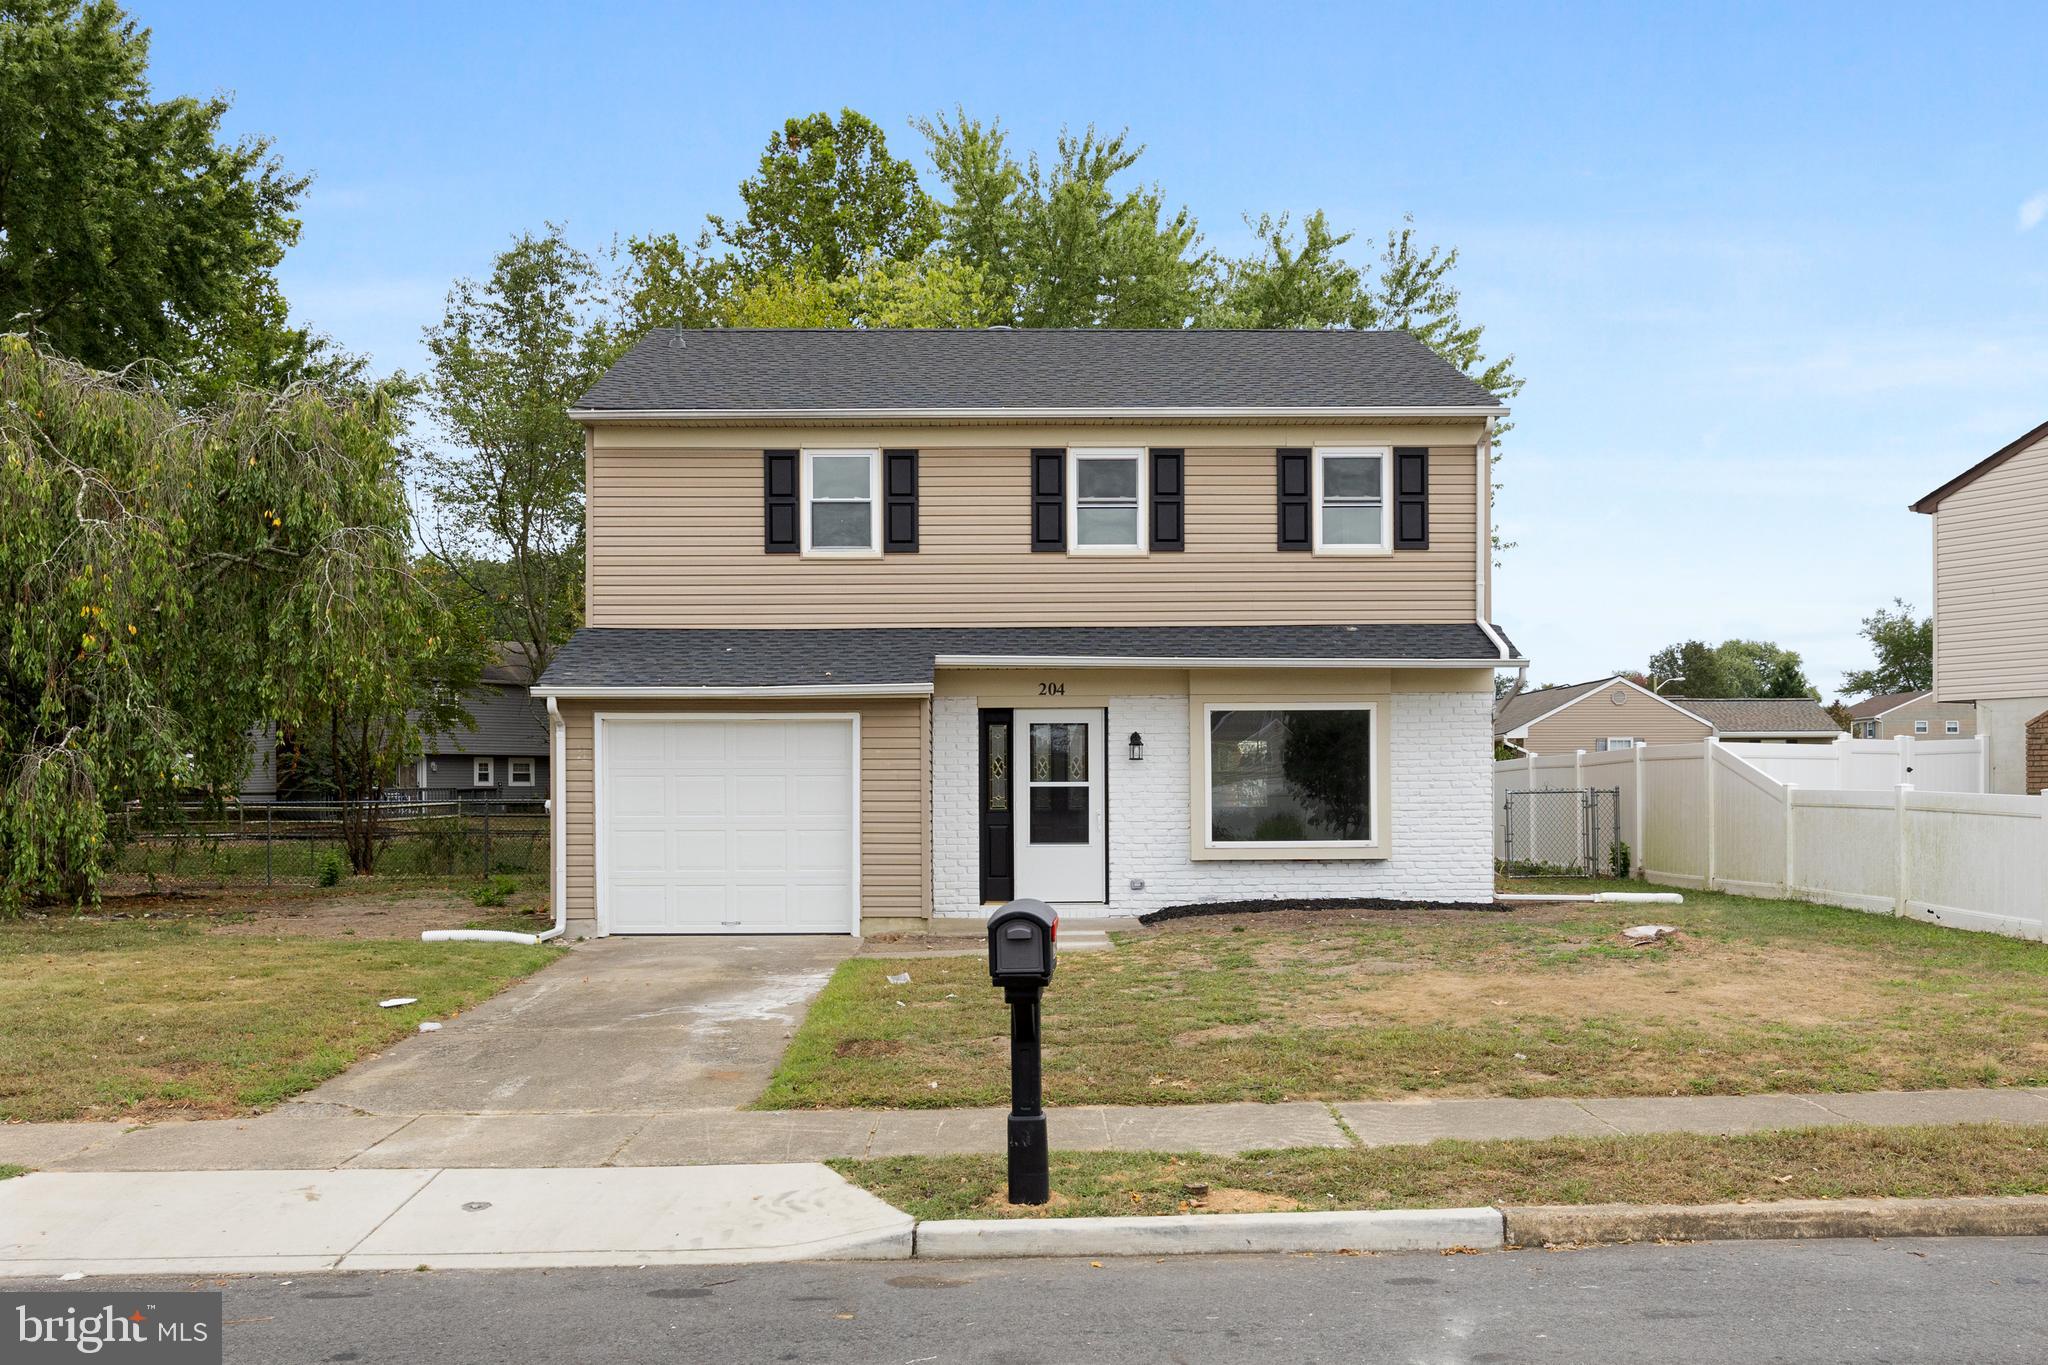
(1213, 1234)
(1971, 1216)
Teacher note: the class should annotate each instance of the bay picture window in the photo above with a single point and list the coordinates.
(1298, 775)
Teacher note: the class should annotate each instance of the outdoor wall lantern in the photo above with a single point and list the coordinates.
(1137, 747)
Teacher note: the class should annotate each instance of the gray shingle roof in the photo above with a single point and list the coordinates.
(673, 370)
(608, 658)
(1872, 707)
(1761, 715)
(1527, 706)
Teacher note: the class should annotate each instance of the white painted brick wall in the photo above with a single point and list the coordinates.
(1441, 792)
(956, 805)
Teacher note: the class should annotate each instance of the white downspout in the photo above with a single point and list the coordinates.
(558, 827)
(557, 873)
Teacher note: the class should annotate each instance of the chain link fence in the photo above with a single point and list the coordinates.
(1568, 831)
(301, 843)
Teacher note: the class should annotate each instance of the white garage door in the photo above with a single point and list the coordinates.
(727, 826)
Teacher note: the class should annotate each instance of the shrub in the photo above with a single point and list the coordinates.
(1617, 859)
(328, 868)
(493, 891)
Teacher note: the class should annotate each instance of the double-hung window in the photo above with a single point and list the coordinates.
(1952, 727)
(1295, 775)
(1105, 492)
(842, 514)
(1919, 727)
(482, 772)
(1353, 514)
(519, 772)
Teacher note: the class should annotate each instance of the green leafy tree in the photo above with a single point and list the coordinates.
(1904, 646)
(1057, 244)
(933, 292)
(829, 197)
(171, 578)
(1733, 668)
(129, 229)
(1288, 284)
(510, 357)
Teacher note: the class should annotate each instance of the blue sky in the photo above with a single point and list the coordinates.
(1771, 271)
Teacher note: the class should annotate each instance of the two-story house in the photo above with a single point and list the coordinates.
(884, 626)
(1991, 605)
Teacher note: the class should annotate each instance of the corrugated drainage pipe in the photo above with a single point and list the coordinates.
(478, 936)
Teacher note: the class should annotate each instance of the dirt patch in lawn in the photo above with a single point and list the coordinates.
(402, 913)
(1706, 985)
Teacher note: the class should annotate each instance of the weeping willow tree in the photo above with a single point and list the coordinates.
(174, 575)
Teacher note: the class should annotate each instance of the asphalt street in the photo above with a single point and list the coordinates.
(1957, 1301)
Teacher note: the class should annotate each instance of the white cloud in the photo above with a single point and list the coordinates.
(2033, 211)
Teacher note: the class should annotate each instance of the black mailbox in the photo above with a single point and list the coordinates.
(1021, 943)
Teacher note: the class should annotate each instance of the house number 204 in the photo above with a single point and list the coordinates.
(1052, 689)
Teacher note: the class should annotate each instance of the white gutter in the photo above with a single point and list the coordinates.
(737, 693)
(595, 416)
(1116, 661)
(557, 877)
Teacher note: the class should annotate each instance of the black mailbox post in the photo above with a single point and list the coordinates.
(1021, 950)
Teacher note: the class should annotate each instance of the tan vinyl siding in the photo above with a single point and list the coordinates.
(1991, 584)
(895, 813)
(674, 539)
(1935, 713)
(1593, 717)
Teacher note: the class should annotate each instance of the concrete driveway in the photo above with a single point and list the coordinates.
(620, 1025)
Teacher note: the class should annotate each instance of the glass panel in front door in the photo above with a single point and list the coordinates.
(1059, 782)
(1059, 751)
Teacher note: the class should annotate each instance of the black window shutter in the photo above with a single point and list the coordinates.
(899, 501)
(1049, 500)
(1411, 497)
(1296, 526)
(778, 497)
(1169, 500)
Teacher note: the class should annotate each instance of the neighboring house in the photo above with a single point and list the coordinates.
(1614, 713)
(506, 755)
(888, 625)
(1606, 713)
(1911, 713)
(1991, 605)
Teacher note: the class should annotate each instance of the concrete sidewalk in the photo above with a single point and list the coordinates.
(228, 1222)
(300, 1137)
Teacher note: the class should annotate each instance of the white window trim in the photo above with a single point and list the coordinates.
(873, 548)
(1386, 459)
(1951, 727)
(1373, 786)
(512, 772)
(1141, 521)
(483, 772)
(1919, 727)
(1619, 742)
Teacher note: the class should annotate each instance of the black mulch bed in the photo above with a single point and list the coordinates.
(1173, 912)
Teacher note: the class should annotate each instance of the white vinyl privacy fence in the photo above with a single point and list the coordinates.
(1900, 828)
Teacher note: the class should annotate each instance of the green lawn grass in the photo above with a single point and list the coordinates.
(1673, 1168)
(119, 1018)
(1755, 996)
(8, 1172)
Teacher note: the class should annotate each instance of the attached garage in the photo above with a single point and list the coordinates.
(730, 823)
